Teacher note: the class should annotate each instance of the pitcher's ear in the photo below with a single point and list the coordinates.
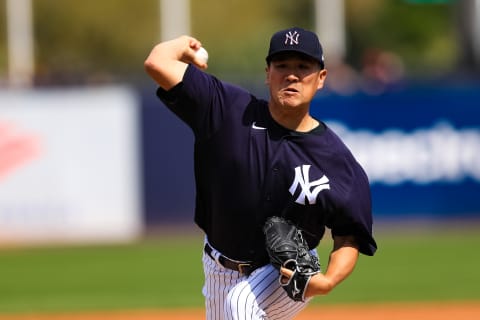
(321, 77)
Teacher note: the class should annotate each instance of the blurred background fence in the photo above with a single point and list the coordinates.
(87, 153)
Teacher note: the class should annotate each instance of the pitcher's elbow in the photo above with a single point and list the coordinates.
(149, 66)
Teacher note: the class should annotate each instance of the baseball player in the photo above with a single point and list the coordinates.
(255, 159)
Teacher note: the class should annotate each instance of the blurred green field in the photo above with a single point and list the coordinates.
(166, 272)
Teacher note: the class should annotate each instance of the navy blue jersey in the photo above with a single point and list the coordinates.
(248, 167)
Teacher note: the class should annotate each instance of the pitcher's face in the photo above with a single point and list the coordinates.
(294, 79)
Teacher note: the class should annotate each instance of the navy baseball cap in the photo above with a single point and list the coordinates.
(296, 40)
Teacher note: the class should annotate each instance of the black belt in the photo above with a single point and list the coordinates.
(243, 267)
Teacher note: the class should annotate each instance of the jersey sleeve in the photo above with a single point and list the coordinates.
(201, 100)
(354, 216)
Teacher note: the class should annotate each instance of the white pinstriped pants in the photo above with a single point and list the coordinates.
(230, 295)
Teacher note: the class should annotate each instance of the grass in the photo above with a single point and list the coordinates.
(167, 273)
(426, 266)
(160, 273)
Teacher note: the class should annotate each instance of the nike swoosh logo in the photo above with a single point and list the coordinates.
(254, 126)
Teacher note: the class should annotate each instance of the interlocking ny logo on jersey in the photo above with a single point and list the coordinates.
(309, 190)
(292, 37)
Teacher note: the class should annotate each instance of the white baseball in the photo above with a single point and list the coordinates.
(202, 55)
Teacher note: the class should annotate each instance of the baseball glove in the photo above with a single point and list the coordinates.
(287, 248)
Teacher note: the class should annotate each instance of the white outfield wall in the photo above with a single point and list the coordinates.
(69, 166)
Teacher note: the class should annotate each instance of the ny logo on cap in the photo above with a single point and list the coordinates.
(293, 37)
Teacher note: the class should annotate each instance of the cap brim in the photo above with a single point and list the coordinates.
(270, 57)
